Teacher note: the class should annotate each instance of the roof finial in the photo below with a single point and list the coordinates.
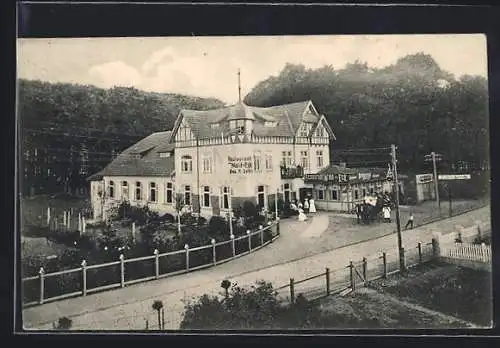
(239, 86)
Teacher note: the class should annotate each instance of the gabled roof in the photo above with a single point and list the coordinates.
(288, 118)
(336, 169)
(142, 158)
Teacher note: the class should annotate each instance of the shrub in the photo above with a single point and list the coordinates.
(166, 218)
(188, 219)
(249, 210)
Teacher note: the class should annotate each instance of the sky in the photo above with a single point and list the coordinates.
(207, 66)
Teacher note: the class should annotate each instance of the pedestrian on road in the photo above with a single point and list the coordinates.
(410, 221)
(306, 205)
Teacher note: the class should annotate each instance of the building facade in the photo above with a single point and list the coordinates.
(338, 188)
(215, 160)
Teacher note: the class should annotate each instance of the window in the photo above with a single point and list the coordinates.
(319, 157)
(125, 194)
(206, 197)
(207, 164)
(321, 194)
(169, 193)
(304, 130)
(187, 195)
(138, 191)
(304, 159)
(286, 158)
(214, 125)
(320, 131)
(261, 201)
(269, 124)
(364, 192)
(371, 190)
(111, 189)
(334, 194)
(225, 197)
(238, 125)
(186, 164)
(257, 159)
(164, 154)
(152, 192)
(269, 161)
(356, 194)
(184, 133)
(286, 190)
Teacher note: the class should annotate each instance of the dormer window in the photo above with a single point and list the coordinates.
(238, 125)
(270, 124)
(214, 125)
(164, 154)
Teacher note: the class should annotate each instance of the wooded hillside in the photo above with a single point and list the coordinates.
(413, 103)
(70, 131)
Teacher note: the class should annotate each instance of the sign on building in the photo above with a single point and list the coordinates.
(454, 176)
(424, 178)
(240, 165)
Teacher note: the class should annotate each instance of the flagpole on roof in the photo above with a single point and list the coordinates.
(239, 86)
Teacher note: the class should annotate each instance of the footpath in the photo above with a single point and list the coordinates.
(130, 307)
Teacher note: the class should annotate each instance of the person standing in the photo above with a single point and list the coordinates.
(306, 205)
(410, 221)
(312, 206)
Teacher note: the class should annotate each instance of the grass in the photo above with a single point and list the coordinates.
(457, 291)
(368, 310)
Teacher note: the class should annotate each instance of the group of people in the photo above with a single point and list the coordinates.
(308, 207)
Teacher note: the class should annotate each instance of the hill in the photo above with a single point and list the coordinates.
(69, 131)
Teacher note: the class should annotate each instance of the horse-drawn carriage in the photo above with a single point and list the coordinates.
(371, 209)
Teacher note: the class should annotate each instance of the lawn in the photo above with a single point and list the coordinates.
(457, 291)
(373, 310)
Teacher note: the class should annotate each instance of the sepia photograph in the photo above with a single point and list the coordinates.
(283, 182)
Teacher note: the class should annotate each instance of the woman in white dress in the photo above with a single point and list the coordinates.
(312, 206)
(306, 205)
(302, 216)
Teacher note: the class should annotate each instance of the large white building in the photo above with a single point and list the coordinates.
(215, 159)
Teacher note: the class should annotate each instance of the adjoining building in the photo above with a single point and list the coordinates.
(216, 159)
(338, 188)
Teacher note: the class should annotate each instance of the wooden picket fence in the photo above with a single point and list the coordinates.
(470, 252)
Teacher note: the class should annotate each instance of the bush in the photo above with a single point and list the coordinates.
(188, 219)
(139, 215)
(166, 218)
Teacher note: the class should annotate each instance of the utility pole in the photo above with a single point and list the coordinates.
(435, 157)
(402, 266)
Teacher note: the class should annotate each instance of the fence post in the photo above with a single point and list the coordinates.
(186, 247)
(292, 291)
(351, 275)
(84, 225)
(436, 250)
(48, 216)
(327, 275)
(278, 226)
(384, 263)
(157, 263)
(365, 266)
(250, 241)
(214, 256)
(233, 246)
(84, 278)
(483, 252)
(419, 246)
(147, 324)
(122, 270)
(42, 284)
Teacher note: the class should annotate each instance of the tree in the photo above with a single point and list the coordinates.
(158, 306)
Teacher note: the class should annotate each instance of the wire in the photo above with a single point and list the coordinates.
(363, 149)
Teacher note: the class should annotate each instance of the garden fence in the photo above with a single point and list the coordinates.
(88, 279)
(348, 278)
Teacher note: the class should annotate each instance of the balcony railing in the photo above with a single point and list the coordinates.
(292, 172)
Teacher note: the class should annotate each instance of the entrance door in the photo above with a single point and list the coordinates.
(304, 192)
